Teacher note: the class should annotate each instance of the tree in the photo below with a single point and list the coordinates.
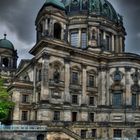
(5, 104)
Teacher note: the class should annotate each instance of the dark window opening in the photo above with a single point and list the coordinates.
(56, 116)
(117, 133)
(74, 99)
(35, 115)
(91, 81)
(74, 116)
(57, 31)
(117, 99)
(74, 77)
(39, 96)
(5, 62)
(25, 98)
(40, 137)
(91, 117)
(134, 101)
(91, 101)
(93, 133)
(24, 116)
(138, 133)
(83, 134)
(39, 75)
(107, 43)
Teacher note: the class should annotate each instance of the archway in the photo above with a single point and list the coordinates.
(57, 31)
(40, 137)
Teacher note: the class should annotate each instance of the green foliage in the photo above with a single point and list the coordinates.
(5, 104)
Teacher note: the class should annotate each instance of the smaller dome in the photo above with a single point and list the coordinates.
(56, 3)
(4, 43)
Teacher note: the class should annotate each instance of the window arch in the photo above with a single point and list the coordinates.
(57, 30)
(40, 137)
(5, 62)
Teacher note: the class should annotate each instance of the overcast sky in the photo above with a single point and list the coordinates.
(17, 19)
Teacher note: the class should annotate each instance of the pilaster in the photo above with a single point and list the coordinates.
(84, 85)
(45, 79)
(128, 86)
(67, 81)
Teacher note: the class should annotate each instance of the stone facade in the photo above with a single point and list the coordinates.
(80, 84)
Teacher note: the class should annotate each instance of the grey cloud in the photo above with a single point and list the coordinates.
(19, 16)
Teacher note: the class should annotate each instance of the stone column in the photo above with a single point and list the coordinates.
(113, 41)
(45, 79)
(67, 81)
(102, 86)
(84, 86)
(121, 46)
(79, 44)
(43, 27)
(128, 94)
(34, 84)
(107, 87)
(116, 44)
(104, 35)
(46, 26)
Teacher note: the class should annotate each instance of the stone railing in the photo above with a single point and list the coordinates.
(23, 128)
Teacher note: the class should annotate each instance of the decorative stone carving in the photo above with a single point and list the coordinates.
(135, 76)
(135, 88)
(56, 76)
(117, 76)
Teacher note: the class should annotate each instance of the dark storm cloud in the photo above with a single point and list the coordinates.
(19, 16)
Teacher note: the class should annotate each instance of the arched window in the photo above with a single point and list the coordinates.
(57, 31)
(5, 62)
(40, 137)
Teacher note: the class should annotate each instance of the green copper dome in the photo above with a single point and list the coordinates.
(56, 3)
(4, 43)
(92, 7)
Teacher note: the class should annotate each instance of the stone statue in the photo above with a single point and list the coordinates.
(56, 76)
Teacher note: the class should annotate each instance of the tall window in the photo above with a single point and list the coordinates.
(117, 133)
(134, 101)
(117, 99)
(74, 39)
(91, 81)
(93, 133)
(74, 99)
(39, 75)
(24, 116)
(74, 116)
(91, 101)
(107, 42)
(25, 98)
(57, 31)
(83, 134)
(84, 40)
(138, 133)
(91, 117)
(74, 78)
(56, 116)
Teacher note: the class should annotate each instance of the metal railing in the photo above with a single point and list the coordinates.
(23, 128)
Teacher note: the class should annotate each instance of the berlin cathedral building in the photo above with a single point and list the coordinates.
(80, 83)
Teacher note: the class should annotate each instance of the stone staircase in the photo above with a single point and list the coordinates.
(66, 131)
